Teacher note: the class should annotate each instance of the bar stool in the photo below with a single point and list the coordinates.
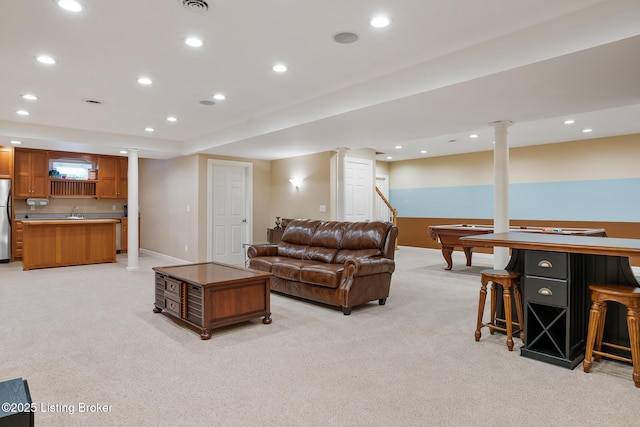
(507, 279)
(628, 296)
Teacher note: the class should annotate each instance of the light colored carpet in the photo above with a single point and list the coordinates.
(87, 335)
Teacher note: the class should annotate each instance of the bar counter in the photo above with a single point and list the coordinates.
(68, 241)
(556, 271)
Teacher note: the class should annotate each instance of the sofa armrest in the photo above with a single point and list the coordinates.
(262, 250)
(368, 266)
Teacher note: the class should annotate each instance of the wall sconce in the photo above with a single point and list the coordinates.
(296, 182)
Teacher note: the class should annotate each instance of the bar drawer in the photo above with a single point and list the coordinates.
(546, 264)
(546, 291)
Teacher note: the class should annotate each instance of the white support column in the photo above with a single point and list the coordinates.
(132, 231)
(501, 188)
(340, 183)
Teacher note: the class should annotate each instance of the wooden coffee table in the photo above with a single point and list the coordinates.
(210, 295)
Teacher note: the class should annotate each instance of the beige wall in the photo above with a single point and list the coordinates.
(166, 187)
(601, 158)
(304, 202)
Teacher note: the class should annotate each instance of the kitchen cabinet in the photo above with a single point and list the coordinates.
(31, 174)
(6, 162)
(16, 240)
(124, 237)
(62, 242)
(112, 177)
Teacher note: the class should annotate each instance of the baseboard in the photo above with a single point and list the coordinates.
(168, 258)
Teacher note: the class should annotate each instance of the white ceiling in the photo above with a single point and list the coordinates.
(442, 70)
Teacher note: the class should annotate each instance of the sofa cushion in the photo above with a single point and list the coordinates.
(345, 254)
(325, 241)
(264, 263)
(291, 250)
(296, 238)
(327, 275)
(365, 235)
(290, 268)
(318, 253)
(300, 231)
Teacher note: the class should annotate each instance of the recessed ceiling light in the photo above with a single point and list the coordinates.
(45, 59)
(22, 112)
(389, 157)
(219, 97)
(16, 142)
(587, 130)
(70, 5)
(279, 68)
(569, 122)
(149, 129)
(172, 119)
(473, 135)
(123, 151)
(29, 96)
(380, 21)
(423, 151)
(193, 41)
(145, 81)
(398, 147)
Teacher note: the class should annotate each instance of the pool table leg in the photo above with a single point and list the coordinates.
(446, 253)
(468, 252)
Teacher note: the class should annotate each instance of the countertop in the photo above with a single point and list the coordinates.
(58, 221)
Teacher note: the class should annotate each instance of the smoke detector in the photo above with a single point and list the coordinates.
(195, 5)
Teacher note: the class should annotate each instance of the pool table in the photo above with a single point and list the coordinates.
(449, 236)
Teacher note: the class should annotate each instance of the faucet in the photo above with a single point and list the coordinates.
(75, 212)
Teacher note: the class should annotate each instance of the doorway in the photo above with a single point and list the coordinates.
(229, 210)
(358, 189)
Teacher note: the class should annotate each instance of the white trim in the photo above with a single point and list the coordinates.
(248, 168)
(168, 258)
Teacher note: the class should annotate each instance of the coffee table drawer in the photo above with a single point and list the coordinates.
(172, 306)
(172, 287)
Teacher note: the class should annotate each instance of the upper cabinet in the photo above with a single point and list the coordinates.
(112, 177)
(30, 173)
(43, 174)
(6, 162)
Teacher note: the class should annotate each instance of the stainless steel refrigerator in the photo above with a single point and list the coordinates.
(5, 220)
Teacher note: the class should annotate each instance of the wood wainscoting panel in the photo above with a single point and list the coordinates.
(415, 231)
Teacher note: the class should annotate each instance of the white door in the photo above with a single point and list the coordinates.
(358, 189)
(227, 214)
(383, 213)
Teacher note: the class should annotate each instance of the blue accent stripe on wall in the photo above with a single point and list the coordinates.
(597, 200)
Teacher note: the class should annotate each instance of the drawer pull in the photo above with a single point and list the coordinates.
(545, 264)
(545, 291)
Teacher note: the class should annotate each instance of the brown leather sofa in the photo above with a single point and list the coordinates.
(343, 264)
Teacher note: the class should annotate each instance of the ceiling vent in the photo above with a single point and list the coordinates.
(345, 38)
(195, 5)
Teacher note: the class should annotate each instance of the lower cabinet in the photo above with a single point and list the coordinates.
(124, 236)
(17, 240)
(554, 308)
